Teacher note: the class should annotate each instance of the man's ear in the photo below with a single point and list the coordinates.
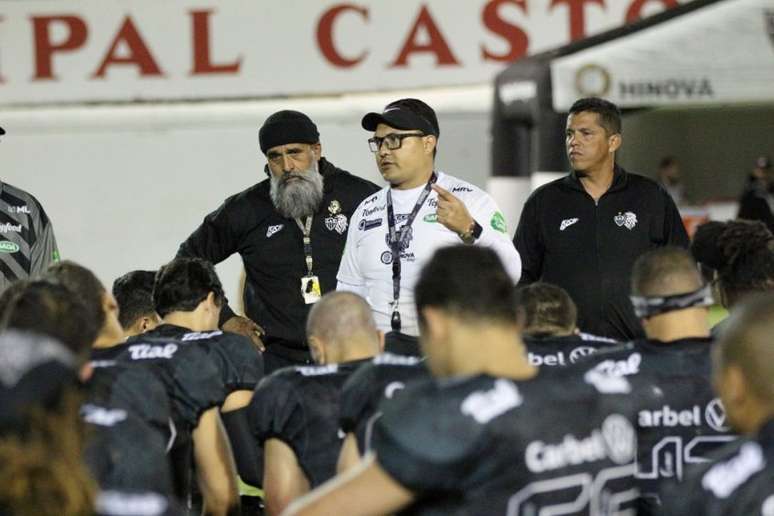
(435, 322)
(733, 384)
(430, 142)
(317, 350)
(317, 151)
(380, 335)
(614, 142)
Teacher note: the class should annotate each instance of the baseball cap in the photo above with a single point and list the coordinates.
(763, 162)
(400, 115)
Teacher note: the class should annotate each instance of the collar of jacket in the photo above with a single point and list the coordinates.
(327, 169)
(620, 178)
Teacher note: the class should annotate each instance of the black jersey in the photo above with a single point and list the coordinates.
(381, 379)
(238, 360)
(738, 480)
(566, 350)
(483, 445)
(130, 420)
(193, 384)
(300, 406)
(680, 420)
(271, 247)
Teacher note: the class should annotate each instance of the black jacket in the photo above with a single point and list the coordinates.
(588, 248)
(272, 250)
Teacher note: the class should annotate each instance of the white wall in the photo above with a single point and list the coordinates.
(125, 185)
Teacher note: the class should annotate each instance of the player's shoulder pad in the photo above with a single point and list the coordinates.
(396, 360)
(444, 423)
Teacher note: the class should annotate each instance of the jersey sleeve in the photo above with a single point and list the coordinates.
(197, 385)
(242, 363)
(274, 410)
(424, 442)
(349, 276)
(44, 250)
(529, 244)
(494, 233)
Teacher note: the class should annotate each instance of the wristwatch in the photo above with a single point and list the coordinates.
(472, 234)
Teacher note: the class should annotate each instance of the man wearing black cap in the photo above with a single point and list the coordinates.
(27, 242)
(289, 230)
(757, 201)
(395, 231)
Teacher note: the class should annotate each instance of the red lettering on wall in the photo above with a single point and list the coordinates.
(577, 15)
(635, 9)
(517, 39)
(325, 36)
(139, 54)
(45, 48)
(202, 60)
(437, 44)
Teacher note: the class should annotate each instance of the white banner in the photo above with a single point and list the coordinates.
(723, 53)
(61, 51)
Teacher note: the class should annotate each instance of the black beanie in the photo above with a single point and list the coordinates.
(285, 127)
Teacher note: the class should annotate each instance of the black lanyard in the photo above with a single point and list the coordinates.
(306, 229)
(398, 240)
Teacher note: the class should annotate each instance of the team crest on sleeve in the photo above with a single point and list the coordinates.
(627, 220)
(336, 221)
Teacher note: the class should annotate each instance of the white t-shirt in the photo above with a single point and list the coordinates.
(366, 267)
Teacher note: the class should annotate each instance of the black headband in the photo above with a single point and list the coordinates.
(646, 306)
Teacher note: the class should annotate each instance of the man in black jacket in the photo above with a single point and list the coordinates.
(584, 231)
(289, 230)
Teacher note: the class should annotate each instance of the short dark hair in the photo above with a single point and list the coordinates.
(183, 283)
(84, 284)
(665, 271)
(50, 308)
(9, 293)
(134, 294)
(667, 161)
(609, 114)
(422, 110)
(740, 252)
(548, 309)
(446, 283)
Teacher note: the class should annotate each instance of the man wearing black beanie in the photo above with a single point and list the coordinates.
(289, 230)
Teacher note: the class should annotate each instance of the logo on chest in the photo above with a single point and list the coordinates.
(566, 223)
(272, 230)
(336, 221)
(627, 220)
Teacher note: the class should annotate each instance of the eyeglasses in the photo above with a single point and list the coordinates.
(393, 140)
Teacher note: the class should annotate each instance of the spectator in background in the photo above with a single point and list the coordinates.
(738, 256)
(134, 294)
(668, 175)
(584, 231)
(757, 201)
(27, 242)
(550, 327)
(294, 414)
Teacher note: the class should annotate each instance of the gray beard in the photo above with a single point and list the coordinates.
(297, 198)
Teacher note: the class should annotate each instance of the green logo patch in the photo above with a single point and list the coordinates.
(8, 247)
(498, 223)
(431, 218)
(55, 256)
